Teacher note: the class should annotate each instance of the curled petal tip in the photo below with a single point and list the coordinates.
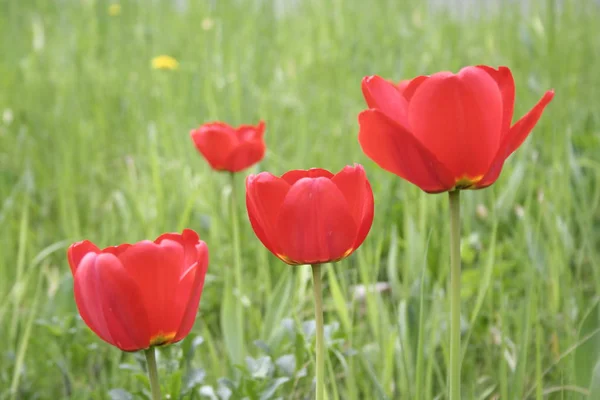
(355, 167)
(250, 179)
(547, 97)
(369, 79)
(187, 232)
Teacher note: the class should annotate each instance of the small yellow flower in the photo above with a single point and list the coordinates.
(114, 9)
(164, 62)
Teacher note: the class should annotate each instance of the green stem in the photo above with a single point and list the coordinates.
(153, 373)
(237, 267)
(455, 356)
(320, 370)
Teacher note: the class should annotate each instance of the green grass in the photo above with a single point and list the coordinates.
(98, 148)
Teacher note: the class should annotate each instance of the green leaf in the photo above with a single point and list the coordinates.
(339, 300)
(193, 379)
(595, 382)
(231, 333)
(280, 309)
(225, 389)
(272, 388)
(175, 384)
(588, 353)
(392, 261)
(260, 368)
(190, 348)
(287, 363)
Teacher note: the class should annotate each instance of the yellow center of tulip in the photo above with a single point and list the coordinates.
(288, 260)
(466, 182)
(162, 338)
(347, 253)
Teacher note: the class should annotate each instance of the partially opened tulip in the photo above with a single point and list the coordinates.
(446, 132)
(139, 296)
(230, 149)
(311, 217)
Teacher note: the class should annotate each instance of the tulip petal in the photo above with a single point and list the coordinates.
(116, 250)
(189, 292)
(247, 133)
(188, 239)
(515, 137)
(521, 129)
(157, 269)
(402, 85)
(314, 224)
(506, 84)
(215, 142)
(396, 150)
(409, 88)
(385, 96)
(77, 251)
(458, 118)
(109, 302)
(245, 155)
(294, 176)
(353, 183)
(126, 315)
(88, 297)
(264, 195)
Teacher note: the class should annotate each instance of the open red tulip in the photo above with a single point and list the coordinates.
(312, 216)
(445, 131)
(141, 295)
(230, 149)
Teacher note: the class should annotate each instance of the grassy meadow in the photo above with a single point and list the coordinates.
(94, 144)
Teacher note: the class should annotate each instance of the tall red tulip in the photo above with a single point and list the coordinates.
(313, 216)
(141, 295)
(230, 149)
(445, 131)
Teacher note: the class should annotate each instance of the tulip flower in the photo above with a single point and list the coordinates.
(311, 217)
(445, 131)
(139, 296)
(233, 150)
(230, 149)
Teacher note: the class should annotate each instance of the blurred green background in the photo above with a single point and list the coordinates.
(94, 143)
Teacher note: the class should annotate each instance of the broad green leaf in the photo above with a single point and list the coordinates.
(595, 383)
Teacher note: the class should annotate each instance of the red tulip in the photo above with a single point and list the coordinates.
(445, 131)
(230, 149)
(311, 217)
(140, 295)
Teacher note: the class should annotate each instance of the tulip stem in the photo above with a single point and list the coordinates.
(320, 364)
(237, 268)
(455, 356)
(153, 373)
